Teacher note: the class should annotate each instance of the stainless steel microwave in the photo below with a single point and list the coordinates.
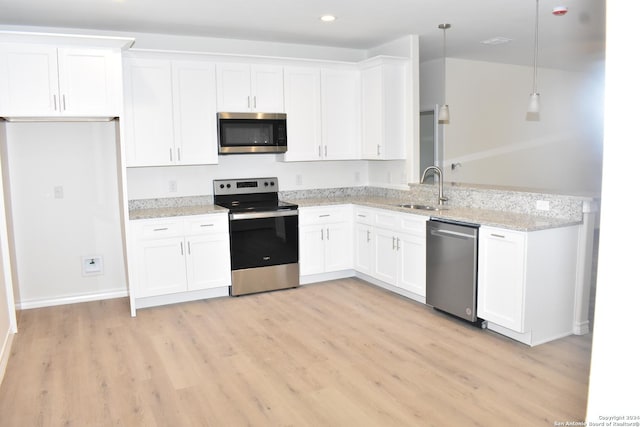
(252, 133)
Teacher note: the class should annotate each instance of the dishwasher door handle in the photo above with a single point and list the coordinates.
(445, 233)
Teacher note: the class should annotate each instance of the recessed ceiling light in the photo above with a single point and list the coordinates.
(327, 18)
(496, 40)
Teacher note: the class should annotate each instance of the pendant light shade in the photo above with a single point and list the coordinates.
(534, 97)
(443, 112)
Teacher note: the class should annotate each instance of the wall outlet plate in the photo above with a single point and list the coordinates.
(542, 205)
(92, 265)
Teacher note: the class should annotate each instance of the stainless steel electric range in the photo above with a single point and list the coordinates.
(263, 232)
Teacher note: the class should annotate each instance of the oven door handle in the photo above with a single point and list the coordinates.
(258, 215)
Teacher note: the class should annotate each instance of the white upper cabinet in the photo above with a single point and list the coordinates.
(384, 109)
(323, 113)
(341, 114)
(48, 81)
(194, 112)
(304, 116)
(246, 88)
(170, 116)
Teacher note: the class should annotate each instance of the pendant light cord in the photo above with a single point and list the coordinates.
(535, 50)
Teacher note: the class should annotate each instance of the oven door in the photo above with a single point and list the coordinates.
(262, 239)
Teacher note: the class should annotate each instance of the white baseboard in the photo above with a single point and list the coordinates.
(394, 289)
(581, 328)
(72, 299)
(5, 351)
(179, 297)
(323, 277)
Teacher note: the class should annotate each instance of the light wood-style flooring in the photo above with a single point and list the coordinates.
(340, 353)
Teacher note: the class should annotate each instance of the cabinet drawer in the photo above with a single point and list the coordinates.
(386, 219)
(209, 224)
(324, 215)
(364, 216)
(415, 225)
(158, 228)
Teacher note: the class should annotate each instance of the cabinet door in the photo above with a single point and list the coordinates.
(148, 120)
(208, 261)
(501, 255)
(385, 264)
(267, 89)
(161, 267)
(234, 87)
(194, 112)
(312, 249)
(412, 263)
(28, 80)
(341, 114)
(303, 108)
(338, 247)
(372, 120)
(90, 82)
(383, 115)
(363, 256)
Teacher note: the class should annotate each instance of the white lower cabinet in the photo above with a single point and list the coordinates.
(326, 239)
(526, 282)
(180, 254)
(391, 247)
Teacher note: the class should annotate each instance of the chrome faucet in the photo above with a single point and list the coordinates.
(437, 171)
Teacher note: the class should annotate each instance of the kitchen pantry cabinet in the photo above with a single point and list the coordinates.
(48, 81)
(391, 247)
(246, 88)
(526, 282)
(383, 108)
(323, 113)
(325, 239)
(180, 254)
(170, 112)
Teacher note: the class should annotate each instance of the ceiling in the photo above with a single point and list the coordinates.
(573, 41)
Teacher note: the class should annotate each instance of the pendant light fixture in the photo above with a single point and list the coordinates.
(534, 98)
(443, 112)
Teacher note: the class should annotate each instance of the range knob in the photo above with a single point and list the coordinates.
(228, 185)
(266, 184)
(221, 185)
(273, 183)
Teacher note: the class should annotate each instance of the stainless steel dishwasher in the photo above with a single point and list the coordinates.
(452, 268)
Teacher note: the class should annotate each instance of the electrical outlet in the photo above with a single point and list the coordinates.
(173, 186)
(542, 205)
(58, 192)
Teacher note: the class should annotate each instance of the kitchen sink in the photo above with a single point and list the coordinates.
(422, 207)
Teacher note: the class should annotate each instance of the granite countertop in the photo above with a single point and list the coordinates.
(495, 218)
(509, 220)
(164, 212)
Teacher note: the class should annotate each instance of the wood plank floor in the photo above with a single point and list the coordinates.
(340, 353)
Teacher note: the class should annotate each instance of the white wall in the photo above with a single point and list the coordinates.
(615, 371)
(7, 310)
(51, 235)
(490, 136)
(147, 183)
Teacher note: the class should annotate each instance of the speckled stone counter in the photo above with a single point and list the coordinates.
(491, 206)
(487, 217)
(174, 206)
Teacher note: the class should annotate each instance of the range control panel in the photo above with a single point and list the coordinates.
(225, 187)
